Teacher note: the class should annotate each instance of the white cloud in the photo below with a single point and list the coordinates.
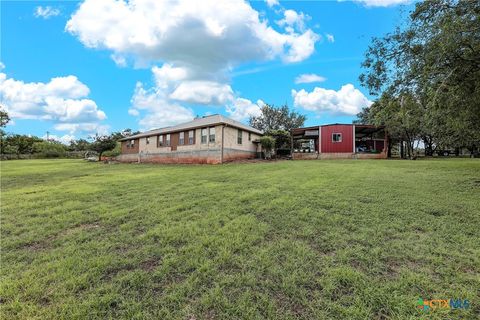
(309, 78)
(330, 38)
(293, 20)
(272, 3)
(65, 139)
(199, 43)
(62, 100)
(2, 66)
(382, 3)
(157, 109)
(347, 100)
(83, 128)
(212, 34)
(119, 60)
(168, 75)
(241, 109)
(46, 12)
(203, 92)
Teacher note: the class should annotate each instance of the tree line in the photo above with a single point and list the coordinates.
(20, 144)
(426, 75)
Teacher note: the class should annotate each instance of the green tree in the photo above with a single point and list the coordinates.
(79, 145)
(4, 118)
(20, 144)
(282, 138)
(102, 144)
(435, 58)
(268, 144)
(49, 149)
(277, 118)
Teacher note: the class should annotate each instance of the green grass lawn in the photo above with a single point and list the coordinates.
(282, 240)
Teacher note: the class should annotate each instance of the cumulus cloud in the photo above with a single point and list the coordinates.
(382, 3)
(293, 20)
(157, 110)
(46, 12)
(242, 109)
(330, 38)
(348, 100)
(272, 3)
(198, 44)
(214, 34)
(203, 92)
(62, 100)
(309, 78)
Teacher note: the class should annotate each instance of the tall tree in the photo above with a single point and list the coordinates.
(435, 58)
(277, 118)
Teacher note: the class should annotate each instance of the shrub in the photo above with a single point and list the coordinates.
(49, 149)
(268, 144)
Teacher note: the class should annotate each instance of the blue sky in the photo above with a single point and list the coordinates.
(116, 66)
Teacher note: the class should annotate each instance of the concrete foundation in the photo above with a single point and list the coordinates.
(209, 156)
(338, 155)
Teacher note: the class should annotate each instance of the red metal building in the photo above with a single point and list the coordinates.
(339, 141)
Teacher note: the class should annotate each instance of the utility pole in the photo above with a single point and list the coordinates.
(48, 135)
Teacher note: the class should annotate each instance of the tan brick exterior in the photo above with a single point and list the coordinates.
(209, 152)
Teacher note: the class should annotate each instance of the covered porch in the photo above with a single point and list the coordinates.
(305, 143)
(370, 141)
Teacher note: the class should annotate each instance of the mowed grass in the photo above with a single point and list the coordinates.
(280, 240)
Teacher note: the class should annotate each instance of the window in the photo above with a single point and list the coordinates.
(160, 140)
(336, 137)
(132, 143)
(204, 135)
(211, 136)
(249, 136)
(181, 139)
(147, 140)
(190, 137)
(239, 136)
(167, 140)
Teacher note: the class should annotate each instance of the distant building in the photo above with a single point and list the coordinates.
(335, 141)
(210, 139)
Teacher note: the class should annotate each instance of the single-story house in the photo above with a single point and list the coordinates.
(210, 139)
(333, 141)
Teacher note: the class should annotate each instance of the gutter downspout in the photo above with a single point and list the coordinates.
(223, 140)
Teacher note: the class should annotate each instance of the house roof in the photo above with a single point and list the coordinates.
(196, 123)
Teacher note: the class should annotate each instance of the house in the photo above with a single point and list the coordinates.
(210, 139)
(335, 141)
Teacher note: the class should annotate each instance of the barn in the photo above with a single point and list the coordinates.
(337, 141)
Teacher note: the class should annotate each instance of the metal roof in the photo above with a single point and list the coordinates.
(196, 123)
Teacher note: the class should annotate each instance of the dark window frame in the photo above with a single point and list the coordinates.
(181, 138)
(210, 140)
(204, 138)
(338, 135)
(168, 140)
(191, 139)
(161, 142)
(239, 136)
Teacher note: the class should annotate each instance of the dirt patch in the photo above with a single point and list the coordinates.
(78, 228)
(393, 267)
(150, 264)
